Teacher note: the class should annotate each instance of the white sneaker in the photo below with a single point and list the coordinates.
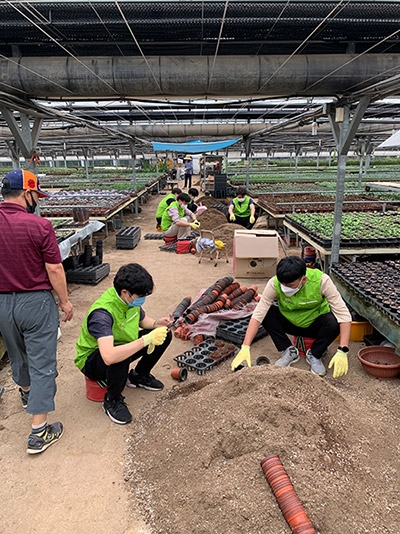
(289, 356)
(317, 367)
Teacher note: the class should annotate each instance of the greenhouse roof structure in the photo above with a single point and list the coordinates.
(111, 75)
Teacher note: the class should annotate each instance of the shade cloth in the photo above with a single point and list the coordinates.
(194, 147)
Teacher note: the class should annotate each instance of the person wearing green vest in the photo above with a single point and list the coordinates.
(163, 205)
(176, 219)
(308, 305)
(117, 331)
(242, 209)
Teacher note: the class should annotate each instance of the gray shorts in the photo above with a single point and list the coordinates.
(29, 326)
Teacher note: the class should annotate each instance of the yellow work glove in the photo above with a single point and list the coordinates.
(340, 364)
(219, 244)
(242, 356)
(195, 225)
(252, 219)
(155, 337)
(232, 217)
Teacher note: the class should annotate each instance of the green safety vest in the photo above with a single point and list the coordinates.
(125, 325)
(163, 205)
(242, 209)
(307, 304)
(166, 220)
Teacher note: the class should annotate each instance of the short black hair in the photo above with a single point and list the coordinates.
(193, 191)
(241, 191)
(290, 269)
(184, 197)
(135, 279)
(176, 191)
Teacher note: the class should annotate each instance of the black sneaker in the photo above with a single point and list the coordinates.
(24, 397)
(117, 410)
(144, 381)
(37, 444)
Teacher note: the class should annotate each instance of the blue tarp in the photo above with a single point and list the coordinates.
(194, 147)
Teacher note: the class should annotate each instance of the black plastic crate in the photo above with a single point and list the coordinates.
(88, 275)
(128, 237)
(206, 355)
(234, 330)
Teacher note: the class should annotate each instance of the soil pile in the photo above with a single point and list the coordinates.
(226, 233)
(194, 456)
(211, 218)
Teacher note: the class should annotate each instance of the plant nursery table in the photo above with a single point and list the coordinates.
(326, 253)
(75, 241)
(379, 320)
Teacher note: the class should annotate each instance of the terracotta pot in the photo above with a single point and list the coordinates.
(380, 362)
(180, 374)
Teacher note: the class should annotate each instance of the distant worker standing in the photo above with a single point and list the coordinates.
(164, 204)
(30, 268)
(242, 209)
(188, 171)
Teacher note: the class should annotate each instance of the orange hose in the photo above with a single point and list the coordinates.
(287, 498)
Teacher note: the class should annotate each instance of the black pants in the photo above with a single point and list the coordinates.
(243, 221)
(116, 375)
(188, 180)
(324, 329)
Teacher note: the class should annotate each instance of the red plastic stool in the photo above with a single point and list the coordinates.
(303, 344)
(94, 391)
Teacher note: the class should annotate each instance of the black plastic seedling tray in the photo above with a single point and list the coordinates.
(206, 355)
(88, 275)
(234, 330)
(158, 235)
(128, 237)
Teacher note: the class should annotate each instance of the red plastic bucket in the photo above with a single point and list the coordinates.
(303, 344)
(169, 240)
(183, 246)
(94, 392)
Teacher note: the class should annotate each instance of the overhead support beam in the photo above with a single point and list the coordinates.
(13, 152)
(248, 76)
(25, 136)
(344, 130)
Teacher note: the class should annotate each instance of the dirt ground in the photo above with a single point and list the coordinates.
(190, 460)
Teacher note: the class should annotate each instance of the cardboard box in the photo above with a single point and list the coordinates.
(257, 243)
(254, 267)
(255, 253)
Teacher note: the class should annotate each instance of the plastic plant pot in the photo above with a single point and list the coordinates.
(262, 360)
(180, 374)
(380, 362)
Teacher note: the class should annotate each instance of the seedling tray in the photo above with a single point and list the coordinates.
(206, 355)
(91, 275)
(128, 237)
(158, 235)
(234, 330)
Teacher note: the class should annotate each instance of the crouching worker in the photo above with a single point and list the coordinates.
(309, 305)
(117, 331)
(177, 220)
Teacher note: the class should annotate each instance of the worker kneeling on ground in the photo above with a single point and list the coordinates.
(309, 305)
(242, 209)
(164, 204)
(117, 331)
(178, 221)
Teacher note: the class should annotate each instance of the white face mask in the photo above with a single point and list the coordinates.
(240, 199)
(290, 291)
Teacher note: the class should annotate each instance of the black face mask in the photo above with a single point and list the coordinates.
(30, 208)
